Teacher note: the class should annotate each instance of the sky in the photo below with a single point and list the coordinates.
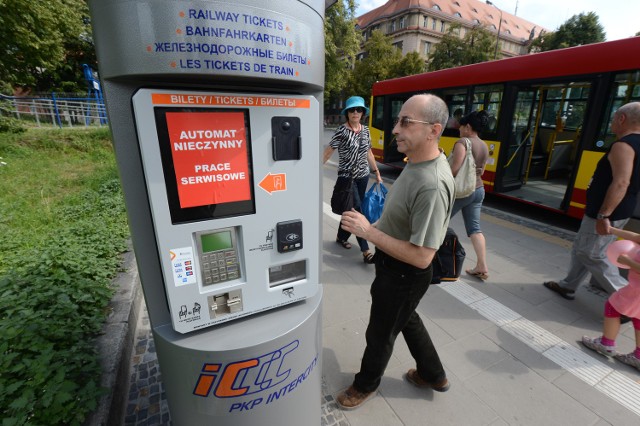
(620, 18)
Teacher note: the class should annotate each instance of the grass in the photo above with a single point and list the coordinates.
(46, 168)
(63, 227)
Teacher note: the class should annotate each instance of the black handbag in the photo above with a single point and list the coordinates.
(342, 199)
(448, 260)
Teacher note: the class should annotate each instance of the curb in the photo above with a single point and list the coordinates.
(530, 223)
(115, 345)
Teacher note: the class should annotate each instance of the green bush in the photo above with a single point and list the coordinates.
(6, 89)
(55, 286)
(11, 125)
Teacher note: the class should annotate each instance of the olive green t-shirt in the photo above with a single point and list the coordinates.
(419, 204)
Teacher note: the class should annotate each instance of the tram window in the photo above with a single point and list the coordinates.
(396, 106)
(576, 106)
(606, 137)
(456, 100)
(626, 89)
(565, 107)
(488, 98)
(575, 115)
(377, 115)
(552, 103)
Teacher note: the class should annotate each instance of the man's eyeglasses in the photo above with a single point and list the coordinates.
(356, 109)
(404, 121)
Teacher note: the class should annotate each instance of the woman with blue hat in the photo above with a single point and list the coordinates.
(355, 160)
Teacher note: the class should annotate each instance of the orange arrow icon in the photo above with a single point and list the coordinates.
(275, 182)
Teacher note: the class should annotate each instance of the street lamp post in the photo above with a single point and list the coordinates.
(495, 55)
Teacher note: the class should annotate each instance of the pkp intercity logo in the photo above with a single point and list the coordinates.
(258, 375)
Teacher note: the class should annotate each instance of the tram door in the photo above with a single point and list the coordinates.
(544, 142)
(519, 142)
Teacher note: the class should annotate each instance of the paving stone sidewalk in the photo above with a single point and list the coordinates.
(147, 402)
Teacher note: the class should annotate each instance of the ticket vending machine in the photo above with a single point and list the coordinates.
(228, 184)
(215, 113)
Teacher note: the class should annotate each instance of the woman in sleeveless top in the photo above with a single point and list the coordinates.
(470, 125)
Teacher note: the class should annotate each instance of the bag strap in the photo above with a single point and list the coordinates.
(470, 154)
(468, 145)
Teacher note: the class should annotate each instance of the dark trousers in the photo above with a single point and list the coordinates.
(395, 294)
(360, 188)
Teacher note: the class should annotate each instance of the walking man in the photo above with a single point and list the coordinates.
(611, 200)
(412, 227)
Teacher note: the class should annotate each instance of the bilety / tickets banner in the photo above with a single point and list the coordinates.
(210, 157)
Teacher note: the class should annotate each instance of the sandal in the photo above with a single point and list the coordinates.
(368, 257)
(480, 275)
(343, 243)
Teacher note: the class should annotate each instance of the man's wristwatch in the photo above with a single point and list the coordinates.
(601, 216)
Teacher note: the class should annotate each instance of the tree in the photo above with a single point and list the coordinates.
(35, 36)
(380, 63)
(342, 42)
(477, 45)
(69, 76)
(578, 30)
(412, 63)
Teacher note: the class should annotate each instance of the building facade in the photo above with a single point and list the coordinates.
(418, 25)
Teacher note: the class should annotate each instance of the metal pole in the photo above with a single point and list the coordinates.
(495, 55)
(55, 107)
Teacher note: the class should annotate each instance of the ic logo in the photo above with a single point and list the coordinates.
(292, 237)
(245, 377)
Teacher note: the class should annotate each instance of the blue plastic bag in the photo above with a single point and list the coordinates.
(374, 202)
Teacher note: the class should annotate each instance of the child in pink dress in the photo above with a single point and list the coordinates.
(625, 301)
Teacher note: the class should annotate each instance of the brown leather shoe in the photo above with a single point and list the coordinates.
(413, 378)
(351, 398)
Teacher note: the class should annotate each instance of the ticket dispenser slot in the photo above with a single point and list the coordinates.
(285, 138)
(287, 273)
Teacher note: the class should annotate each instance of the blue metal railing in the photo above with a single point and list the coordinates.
(56, 111)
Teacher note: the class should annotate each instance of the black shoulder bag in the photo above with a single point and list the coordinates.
(447, 262)
(342, 198)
